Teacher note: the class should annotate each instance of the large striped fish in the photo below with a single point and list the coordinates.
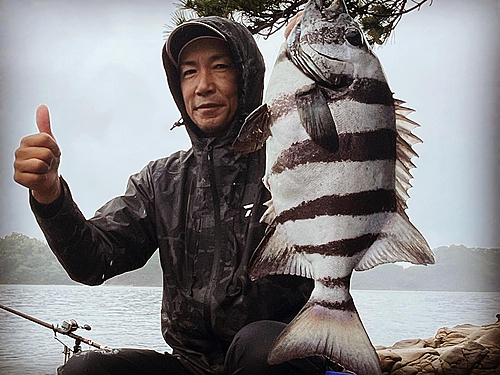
(339, 151)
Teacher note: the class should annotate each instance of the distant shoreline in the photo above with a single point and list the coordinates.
(29, 261)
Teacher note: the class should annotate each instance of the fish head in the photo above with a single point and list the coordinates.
(330, 47)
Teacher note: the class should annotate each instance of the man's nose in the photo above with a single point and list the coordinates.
(205, 83)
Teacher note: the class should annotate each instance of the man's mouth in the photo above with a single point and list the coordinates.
(208, 106)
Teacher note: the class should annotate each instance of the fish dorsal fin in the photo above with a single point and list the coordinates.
(254, 131)
(404, 152)
(316, 118)
(399, 240)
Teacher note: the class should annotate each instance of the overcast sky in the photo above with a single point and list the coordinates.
(97, 65)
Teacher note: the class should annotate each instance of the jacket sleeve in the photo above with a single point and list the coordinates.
(120, 237)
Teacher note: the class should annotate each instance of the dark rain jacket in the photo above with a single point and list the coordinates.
(201, 208)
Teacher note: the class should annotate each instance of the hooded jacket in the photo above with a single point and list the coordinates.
(201, 209)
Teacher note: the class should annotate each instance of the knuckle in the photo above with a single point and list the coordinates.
(20, 165)
(46, 140)
(45, 154)
(24, 179)
(36, 166)
(17, 166)
(21, 152)
(17, 177)
(25, 140)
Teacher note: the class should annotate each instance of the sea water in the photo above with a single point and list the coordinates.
(122, 316)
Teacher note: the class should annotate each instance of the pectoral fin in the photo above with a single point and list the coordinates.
(254, 131)
(317, 119)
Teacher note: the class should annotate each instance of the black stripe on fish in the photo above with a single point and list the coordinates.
(371, 91)
(341, 305)
(341, 282)
(343, 248)
(362, 90)
(363, 203)
(376, 145)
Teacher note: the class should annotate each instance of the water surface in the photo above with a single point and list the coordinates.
(122, 316)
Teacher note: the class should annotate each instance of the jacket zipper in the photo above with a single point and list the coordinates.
(217, 245)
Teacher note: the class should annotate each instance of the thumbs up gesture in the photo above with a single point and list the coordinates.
(37, 161)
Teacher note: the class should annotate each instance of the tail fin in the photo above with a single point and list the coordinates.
(322, 329)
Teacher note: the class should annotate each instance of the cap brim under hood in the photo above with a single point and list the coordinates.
(248, 61)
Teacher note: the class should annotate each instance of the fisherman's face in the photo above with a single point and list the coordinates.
(209, 85)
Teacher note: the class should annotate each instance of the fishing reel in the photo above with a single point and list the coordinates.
(67, 328)
(71, 325)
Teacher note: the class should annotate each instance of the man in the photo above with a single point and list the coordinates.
(194, 207)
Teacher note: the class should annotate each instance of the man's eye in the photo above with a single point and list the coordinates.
(221, 66)
(188, 72)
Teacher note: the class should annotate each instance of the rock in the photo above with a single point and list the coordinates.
(463, 349)
(387, 359)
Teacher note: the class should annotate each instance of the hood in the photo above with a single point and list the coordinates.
(250, 67)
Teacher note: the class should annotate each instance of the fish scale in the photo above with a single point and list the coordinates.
(339, 150)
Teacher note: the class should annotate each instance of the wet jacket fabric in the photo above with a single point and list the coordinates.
(201, 209)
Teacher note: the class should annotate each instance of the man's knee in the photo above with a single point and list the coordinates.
(251, 346)
(259, 335)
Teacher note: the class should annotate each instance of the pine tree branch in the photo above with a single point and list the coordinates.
(378, 18)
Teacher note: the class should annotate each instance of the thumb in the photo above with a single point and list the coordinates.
(43, 119)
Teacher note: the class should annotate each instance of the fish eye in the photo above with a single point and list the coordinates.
(353, 36)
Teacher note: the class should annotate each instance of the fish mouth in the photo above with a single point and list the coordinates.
(332, 81)
(322, 54)
(325, 55)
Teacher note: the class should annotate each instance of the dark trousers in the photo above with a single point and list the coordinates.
(247, 355)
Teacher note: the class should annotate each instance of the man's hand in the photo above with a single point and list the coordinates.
(37, 161)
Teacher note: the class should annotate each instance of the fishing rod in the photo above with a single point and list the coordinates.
(67, 328)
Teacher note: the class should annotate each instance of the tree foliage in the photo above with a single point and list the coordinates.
(25, 260)
(378, 18)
